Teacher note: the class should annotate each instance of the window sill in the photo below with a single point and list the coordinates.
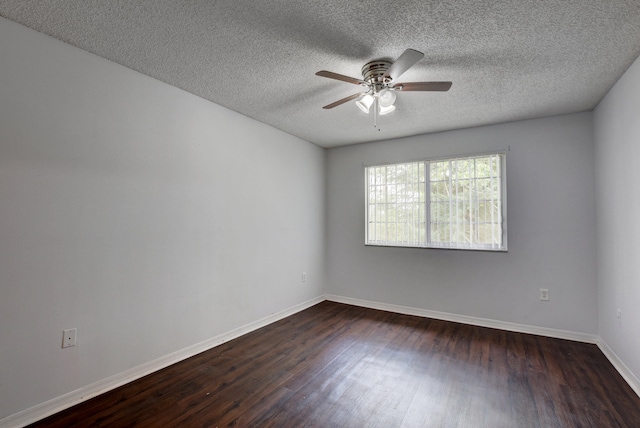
(489, 250)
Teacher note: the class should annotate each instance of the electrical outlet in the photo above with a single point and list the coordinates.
(304, 277)
(69, 337)
(544, 294)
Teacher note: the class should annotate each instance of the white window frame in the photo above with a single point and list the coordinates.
(428, 243)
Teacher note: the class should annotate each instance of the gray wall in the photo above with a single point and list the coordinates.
(617, 138)
(148, 218)
(551, 221)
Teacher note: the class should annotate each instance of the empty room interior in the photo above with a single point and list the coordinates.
(415, 213)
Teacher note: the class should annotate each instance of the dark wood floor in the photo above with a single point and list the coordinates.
(336, 365)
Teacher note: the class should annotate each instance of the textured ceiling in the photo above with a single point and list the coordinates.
(508, 60)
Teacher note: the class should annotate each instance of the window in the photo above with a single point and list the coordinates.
(445, 203)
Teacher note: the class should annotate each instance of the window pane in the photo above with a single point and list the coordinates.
(437, 171)
(395, 209)
(465, 202)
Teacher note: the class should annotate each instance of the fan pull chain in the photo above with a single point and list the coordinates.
(375, 112)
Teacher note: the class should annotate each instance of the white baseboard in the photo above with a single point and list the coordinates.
(72, 398)
(624, 371)
(464, 319)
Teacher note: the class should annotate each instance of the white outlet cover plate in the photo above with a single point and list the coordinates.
(69, 337)
(544, 294)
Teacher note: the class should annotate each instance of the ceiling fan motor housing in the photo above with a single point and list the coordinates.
(373, 73)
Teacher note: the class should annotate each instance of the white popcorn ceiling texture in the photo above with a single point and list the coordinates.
(508, 60)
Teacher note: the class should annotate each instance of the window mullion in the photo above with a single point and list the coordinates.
(452, 195)
(395, 238)
(375, 211)
(405, 223)
(494, 182)
(427, 202)
(472, 185)
(386, 205)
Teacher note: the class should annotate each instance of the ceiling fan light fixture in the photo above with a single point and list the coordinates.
(386, 110)
(364, 103)
(387, 98)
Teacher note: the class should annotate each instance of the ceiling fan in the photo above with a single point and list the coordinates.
(378, 78)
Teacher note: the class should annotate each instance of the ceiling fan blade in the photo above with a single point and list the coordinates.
(341, 77)
(402, 64)
(423, 86)
(344, 100)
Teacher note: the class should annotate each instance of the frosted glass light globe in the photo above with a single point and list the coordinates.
(364, 103)
(387, 98)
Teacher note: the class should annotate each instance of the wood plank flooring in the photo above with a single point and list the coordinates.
(336, 365)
